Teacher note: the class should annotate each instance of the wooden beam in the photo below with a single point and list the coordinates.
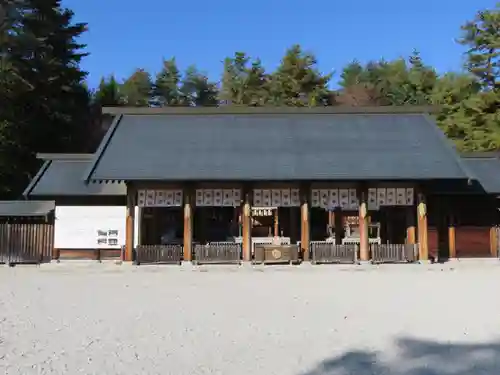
(304, 222)
(235, 109)
(364, 243)
(129, 225)
(422, 228)
(188, 225)
(493, 242)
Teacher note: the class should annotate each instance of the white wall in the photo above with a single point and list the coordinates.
(76, 227)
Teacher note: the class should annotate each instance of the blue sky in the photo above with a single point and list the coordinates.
(128, 34)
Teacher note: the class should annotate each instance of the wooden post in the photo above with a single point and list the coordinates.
(452, 247)
(493, 242)
(304, 223)
(188, 225)
(129, 226)
(410, 226)
(246, 221)
(364, 243)
(422, 228)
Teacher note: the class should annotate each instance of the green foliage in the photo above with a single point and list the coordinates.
(197, 89)
(244, 82)
(167, 86)
(108, 93)
(482, 37)
(47, 106)
(137, 89)
(298, 82)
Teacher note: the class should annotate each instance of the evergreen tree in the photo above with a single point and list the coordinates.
(137, 90)
(244, 82)
(48, 105)
(482, 37)
(108, 93)
(298, 82)
(197, 90)
(167, 86)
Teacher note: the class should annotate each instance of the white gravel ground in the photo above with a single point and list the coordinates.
(110, 319)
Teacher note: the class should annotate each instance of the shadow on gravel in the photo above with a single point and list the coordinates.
(418, 357)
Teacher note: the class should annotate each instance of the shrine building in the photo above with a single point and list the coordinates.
(271, 185)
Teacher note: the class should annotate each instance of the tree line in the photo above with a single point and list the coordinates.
(46, 106)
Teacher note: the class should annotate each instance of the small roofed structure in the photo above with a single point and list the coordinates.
(89, 217)
(26, 231)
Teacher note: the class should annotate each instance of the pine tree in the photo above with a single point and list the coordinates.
(198, 90)
(298, 82)
(49, 106)
(167, 86)
(137, 89)
(108, 93)
(482, 37)
(244, 82)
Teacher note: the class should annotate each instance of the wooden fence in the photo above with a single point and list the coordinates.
(323, 252)
(158, 254)
(394, 253)
(30, 243)
(218, 253)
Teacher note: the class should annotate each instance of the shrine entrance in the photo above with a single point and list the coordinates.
(276, 214)
(217, 216)
(160, 216)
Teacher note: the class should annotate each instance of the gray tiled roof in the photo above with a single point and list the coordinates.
(26, 208)
(486, 169)
(275, 147)
(63, 175)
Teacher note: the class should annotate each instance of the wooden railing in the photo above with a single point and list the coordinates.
(394, 253)
(158, 254)
(323, 252)
(218, 253)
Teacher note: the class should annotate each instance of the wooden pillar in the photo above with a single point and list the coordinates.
(246, 223)
(422, 228)
(452, 244)
(188, 224)
(276, 223)
(130, 224)
(493, 242)
(410, 226)
(304, 222)
(364, 243)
